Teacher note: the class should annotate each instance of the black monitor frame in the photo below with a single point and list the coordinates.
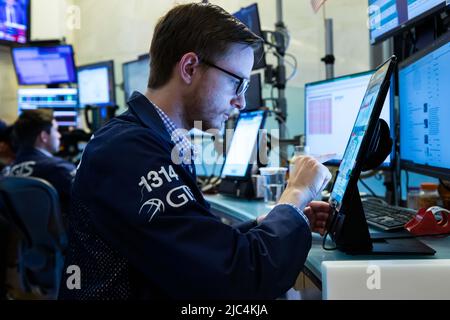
(52, 84)
(255, 87)
(392, 114)
(140, 58)
(27, 34)
(438, 172)
(260, 56)
(408, 24)
(109, 64)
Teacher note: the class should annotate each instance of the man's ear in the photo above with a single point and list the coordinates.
(43, 137)
(188, 67)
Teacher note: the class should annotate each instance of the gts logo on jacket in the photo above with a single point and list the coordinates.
(24, 169)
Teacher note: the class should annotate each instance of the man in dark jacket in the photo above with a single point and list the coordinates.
(37, 138)
(139, 226)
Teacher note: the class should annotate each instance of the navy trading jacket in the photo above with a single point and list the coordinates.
(31, 162)
(139, 227)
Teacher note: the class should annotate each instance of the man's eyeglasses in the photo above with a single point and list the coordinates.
(243, 83)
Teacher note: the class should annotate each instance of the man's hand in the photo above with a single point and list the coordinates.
(307, 180)
(317, 213)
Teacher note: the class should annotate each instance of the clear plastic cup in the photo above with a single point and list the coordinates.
(274, 183)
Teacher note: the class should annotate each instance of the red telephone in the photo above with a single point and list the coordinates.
(425, 222)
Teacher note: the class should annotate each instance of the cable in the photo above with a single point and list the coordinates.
(407, 180)
(368, 174)
(331, 226)
(293, 65)
(368, 188)
(324, 247)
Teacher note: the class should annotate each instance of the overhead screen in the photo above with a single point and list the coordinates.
(44, 65)
(14, 21)
(386, 17)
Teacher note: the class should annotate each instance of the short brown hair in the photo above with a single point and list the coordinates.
(206, 29)
(30, 124)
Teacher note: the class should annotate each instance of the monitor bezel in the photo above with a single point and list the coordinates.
(408, 24)
(438, 172)
(139, 58)
(392, 123)
(51, 83)
(256, 76)
(359, 163)
(248, 171)
(109, 64)
(13, 44)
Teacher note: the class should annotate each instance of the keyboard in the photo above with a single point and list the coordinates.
(386, 217)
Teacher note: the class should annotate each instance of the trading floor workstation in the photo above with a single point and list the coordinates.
(383, 130)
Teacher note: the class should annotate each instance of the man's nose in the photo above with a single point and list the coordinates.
(239, 102)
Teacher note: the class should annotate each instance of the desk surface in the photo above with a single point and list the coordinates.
(243, 210)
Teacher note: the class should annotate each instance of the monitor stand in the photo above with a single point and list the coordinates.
(352, 234)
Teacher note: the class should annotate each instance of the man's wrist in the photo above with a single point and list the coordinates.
(297, 197)
(300, 212)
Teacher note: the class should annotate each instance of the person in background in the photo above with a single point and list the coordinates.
(7, 153)
(36, 136)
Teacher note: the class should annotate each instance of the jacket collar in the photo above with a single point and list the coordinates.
(146, 112)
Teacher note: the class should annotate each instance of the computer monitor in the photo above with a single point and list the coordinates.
(424, 96)
(253, 96)
(136, 75)
(250, 17)
(96, 84)
(63, 102)
(387, 17)
(368, 140)
(14, 21)
(331, 107)
(242, 151)
(47, 65)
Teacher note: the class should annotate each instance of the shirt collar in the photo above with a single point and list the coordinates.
(178, 136)
(45, 152)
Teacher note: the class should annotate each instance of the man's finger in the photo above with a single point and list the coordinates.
(322, 215)
(319, 206)
(324, 157)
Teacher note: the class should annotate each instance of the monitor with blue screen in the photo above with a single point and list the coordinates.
(242, 150)
(63, 102)
(136, 75)
(331, 107)
(49, 65)
(424, 95)
(96, 84)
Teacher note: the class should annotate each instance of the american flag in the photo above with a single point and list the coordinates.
(316, 4)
